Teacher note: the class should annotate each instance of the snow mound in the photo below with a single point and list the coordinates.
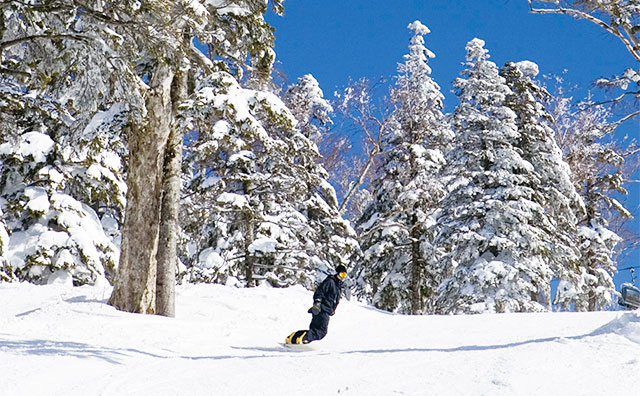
(61, 277)
(626, 325)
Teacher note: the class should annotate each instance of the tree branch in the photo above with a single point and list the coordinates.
(81, 7)
(15, 73)
(20, 40)
(619, 98)
(633, 50)
(78, 6)
(363, 174)
(625, 118)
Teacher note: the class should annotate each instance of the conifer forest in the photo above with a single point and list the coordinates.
(151, 143)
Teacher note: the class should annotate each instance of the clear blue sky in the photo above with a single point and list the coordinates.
(340, 39)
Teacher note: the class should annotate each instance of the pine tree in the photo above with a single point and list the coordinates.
(261, 208)
(597, 172)
(553, 189)
(489, 236)
(51, 188)
(333, 240)
(306, 101)
(396, 273)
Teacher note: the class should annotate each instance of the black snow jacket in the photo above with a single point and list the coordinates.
(328, 294)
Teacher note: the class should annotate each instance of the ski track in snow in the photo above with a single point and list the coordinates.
(57, 340)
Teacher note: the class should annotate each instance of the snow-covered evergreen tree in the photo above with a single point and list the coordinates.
(306, 101)
(490, 236)
(553, 187)
(62, 150)
(397, 273)
(261, 207)
(51, 188)
(597, 169)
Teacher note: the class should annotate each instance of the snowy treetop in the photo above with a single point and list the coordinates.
(476, 51)
(419, 28)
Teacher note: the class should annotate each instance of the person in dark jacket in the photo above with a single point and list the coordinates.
(325, 301)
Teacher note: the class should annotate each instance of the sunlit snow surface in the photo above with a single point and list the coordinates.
(60, 340)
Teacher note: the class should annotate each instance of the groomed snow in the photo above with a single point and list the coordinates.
(60, 340)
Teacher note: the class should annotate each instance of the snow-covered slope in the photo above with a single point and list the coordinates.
(59, 340)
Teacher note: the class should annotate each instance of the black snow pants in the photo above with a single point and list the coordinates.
(318, 327)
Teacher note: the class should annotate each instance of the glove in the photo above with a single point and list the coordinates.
(315, 309)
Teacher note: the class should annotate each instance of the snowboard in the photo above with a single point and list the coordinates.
(296, 347)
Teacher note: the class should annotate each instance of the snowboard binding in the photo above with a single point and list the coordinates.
(297, 337)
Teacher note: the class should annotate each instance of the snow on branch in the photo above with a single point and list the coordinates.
(619, 26)
(20, 40)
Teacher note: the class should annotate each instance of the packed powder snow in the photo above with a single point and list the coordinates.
(63, 340)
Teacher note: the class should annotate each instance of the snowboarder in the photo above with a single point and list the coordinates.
(325, 301)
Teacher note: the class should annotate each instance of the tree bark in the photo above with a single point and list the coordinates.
(135, 285)
(248, 256)
(171, 186)
(416, 270)
(590, 264)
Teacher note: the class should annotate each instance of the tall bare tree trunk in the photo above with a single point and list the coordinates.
(172, 186)
(135, 284)
(248, 256)
(590, 264)
(417, 263)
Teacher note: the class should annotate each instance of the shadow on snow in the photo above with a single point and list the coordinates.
(619, 326)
